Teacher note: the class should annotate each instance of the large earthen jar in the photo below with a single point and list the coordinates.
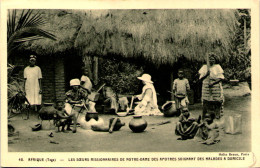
(137, 124)
(47, 112)
(169, 109)
(90, 115)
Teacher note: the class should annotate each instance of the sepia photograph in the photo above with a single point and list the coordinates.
(129, 80)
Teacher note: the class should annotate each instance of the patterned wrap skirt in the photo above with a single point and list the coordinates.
(214, 93)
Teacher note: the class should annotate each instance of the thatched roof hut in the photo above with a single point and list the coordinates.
(158, 36)
(64, 25)
(161, 36)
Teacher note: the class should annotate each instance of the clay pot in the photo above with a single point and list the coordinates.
(47, 112)
(90, 115)
(169, 109)
(137, 124)
(118, 124)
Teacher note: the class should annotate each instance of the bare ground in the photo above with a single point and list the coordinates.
(156, 138)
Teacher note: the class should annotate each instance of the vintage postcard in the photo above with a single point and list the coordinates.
(130, 83)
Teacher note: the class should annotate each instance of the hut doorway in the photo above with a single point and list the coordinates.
(73, 64)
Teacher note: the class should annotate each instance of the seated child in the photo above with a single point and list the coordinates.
(208, 132)
(180, 88)
(62, 118)
(187, 125)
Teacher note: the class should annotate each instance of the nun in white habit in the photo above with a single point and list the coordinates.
(148, 98)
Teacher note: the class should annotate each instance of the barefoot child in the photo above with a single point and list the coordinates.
(180, 88)
(187, 125)
(208, 132)
(63, 118)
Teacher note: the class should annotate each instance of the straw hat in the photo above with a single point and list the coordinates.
(74, 82)
(146, 78)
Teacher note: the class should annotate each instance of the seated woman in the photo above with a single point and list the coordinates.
(187, 125)
(148, 98)
(75, 96)
(208, 132)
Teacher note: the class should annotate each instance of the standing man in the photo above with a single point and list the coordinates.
(32, 85)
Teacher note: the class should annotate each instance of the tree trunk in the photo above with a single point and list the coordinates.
(171, 79)
(95, 70)
(245, 34)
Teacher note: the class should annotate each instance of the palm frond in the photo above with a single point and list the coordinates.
(11, 23)
(36, 20)
(25, 29)
(23, 19)
(20, 40)
(31, 33)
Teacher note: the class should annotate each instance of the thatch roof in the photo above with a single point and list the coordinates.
(61, 23)
(161, 36)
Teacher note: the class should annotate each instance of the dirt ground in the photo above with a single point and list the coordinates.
(156, 138)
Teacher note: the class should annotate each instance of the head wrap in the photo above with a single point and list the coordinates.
(32, 57)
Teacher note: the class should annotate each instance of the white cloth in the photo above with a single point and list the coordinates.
(87, 84)
(32, 86)
(216, 72)
(149, 103)
(146, 99)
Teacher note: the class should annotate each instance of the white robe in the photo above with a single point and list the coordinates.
(32, 86)
(149, 103)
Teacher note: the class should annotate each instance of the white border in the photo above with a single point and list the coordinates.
(10, 159)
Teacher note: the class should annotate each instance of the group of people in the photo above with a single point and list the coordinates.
(204, 128)
(187, 127)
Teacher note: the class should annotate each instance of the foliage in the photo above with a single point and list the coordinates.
(24, 28)
(239, 63)
(21, 27)
(120, 75)
(15, 83)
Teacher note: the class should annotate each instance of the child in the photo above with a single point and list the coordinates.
(187, 125)
(63, 118)
(85, 82)
(180, 88)
(208, 132)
